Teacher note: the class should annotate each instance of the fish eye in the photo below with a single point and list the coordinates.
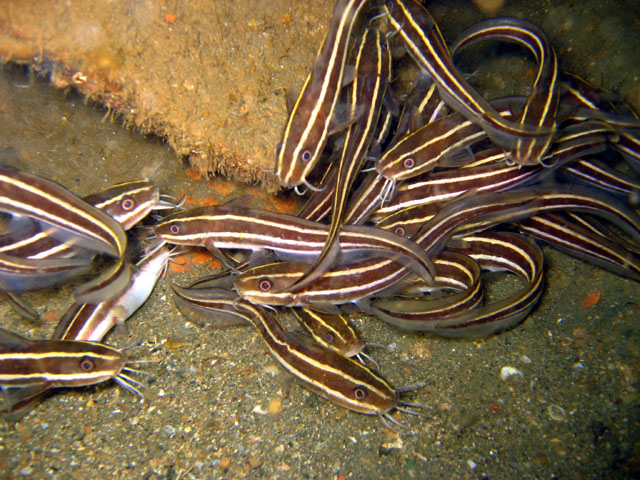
(305, 156)
(265, 285)
(174, 228)
(128, 203)
(360, 393)
(399, 231)
(86, 364)
(409, 162)
(329, 338)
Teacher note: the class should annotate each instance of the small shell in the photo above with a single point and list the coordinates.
(557, 413)
(508, 372)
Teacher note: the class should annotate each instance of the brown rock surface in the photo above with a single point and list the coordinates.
(206, 75)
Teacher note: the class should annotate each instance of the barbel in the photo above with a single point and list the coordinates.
(335, 377)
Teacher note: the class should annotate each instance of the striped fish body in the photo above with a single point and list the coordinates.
(127, 203)
(499, 251)
(310, 121)
(372, 74)
(92, 321)
(600, 175)
(333, 376)
(442, 142)
(19, 274)
(56, 363)
(540, 107)
(26, 194)
(572, 238)
(528, 201)
(496, 251)
(355, 282)
(37, 244)
(426, 148)
(264, 285)
(425, 44)
(331, 331)
(454, 270)
(440, 187)
(290, 237)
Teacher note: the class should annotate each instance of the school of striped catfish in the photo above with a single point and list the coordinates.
(413, 194)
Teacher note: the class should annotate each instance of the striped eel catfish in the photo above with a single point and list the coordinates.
(443, 142)
(573, 142)
(598, 174)
(19, 274)
(127, 203)
(425, 44)
(497, 251)
(356, 282)
(430, 146)
(92, 321)
(22, 193)
(314, 116)
(581, 242)
(540, 107)
(457, 272)
(331, 331)
(33, 364)
(441, 186)
(593, 225)
(335, 377)
(226, 226)
(372, 74)
(525, 202)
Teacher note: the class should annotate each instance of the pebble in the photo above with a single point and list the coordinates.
(395, 444)
(259, 410)
(508, 372)
(272, 369)
(275, 406)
